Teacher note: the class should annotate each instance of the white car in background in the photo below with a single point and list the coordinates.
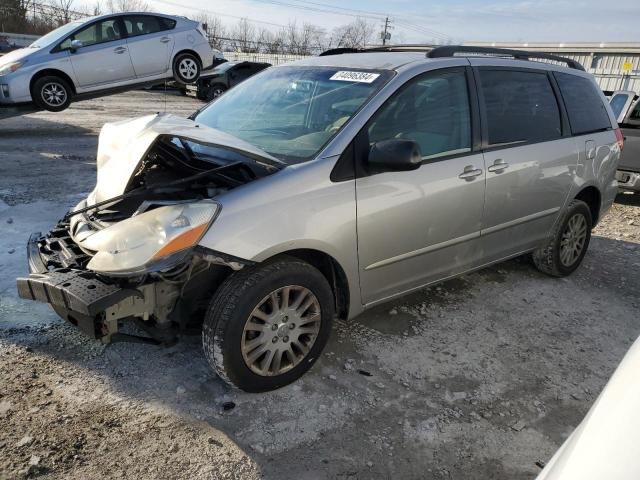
(96, 55)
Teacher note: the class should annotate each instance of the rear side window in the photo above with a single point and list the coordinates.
(520, 107)
(145, 24)
(587, 112)
(167, 23)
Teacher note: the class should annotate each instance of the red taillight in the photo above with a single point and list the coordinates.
(619, 138)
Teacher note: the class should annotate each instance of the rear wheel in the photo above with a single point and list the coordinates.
(266, 326)
(186, 68)
(568, 245)
(51, 93)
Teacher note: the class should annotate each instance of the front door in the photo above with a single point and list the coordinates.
(150, 44)
(103, 57)
(529, 161)
(418, 226)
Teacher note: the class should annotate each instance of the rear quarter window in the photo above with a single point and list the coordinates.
(585, 107)
(520, 107)
(167, 23)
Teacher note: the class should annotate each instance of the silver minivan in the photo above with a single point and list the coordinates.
(320, 189)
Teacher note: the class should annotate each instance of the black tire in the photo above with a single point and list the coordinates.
(214, 91)
(51, 93)
(186, 68)
(231, 308)
(548, 258)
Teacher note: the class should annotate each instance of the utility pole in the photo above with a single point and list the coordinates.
(385, 34)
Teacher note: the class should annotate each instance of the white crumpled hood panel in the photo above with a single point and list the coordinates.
(123, 144)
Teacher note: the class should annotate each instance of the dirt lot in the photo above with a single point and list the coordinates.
(481, 377)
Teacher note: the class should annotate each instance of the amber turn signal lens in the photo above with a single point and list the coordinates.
(182, 241)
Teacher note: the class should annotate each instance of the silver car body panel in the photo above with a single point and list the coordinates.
(113, 64)
(605, 444)
(392, 232)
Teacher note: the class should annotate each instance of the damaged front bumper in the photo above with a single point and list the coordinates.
(78, 296)
(161, 304)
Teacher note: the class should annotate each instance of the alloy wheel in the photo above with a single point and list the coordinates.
(54, 94)
(188, 68)
(573, 239)
(281, 330)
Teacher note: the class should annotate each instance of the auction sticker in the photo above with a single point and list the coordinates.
(362, 77)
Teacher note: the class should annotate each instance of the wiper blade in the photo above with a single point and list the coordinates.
(143, 190)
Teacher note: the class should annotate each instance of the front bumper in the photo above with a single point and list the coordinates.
(628, 181)
(78, 296)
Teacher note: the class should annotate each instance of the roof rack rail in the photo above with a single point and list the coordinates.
(383, 48)
(451, 50)
(340, 51)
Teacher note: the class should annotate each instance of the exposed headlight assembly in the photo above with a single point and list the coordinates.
(10, 67)
(152, 241)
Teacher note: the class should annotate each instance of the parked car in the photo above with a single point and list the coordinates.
(324, 188)
(605, 444)
(214, 83)
(101, 54)
(626, 108)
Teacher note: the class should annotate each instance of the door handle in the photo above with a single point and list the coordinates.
(470, 173)
(165, 39)
(120, 49)
(498, 166)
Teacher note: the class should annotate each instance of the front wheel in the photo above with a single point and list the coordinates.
(51, 93)
(267, 325)
(214, 91)
(569, 242)
(186, 68)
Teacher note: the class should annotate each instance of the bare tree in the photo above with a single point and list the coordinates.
(62, 11)
(115, 6)
(216, 30)
(97, 8)
(244, 36)
(356, 34)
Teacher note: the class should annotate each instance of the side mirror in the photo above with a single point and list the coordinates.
(75, 45)
(395, 155)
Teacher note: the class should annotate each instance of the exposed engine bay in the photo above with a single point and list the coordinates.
(170, 198)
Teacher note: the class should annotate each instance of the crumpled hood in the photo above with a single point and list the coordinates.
(123, 144)
(16, 55)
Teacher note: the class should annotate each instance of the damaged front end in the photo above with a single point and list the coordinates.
(135, 255)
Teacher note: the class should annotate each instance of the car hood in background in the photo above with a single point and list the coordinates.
(606, 445)
(16, 55)
(123, 144)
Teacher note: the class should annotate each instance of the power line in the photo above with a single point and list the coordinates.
(212, 12)
(329, 9)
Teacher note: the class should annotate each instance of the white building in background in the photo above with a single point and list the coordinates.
(615, 65)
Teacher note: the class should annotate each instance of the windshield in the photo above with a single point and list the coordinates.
(292, 112)
(55, 35)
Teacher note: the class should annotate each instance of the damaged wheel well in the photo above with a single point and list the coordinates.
(332, 271)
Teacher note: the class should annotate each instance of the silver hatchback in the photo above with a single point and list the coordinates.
(101, 54)
(323, 188)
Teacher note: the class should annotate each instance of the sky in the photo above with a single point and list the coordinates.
(440, 21)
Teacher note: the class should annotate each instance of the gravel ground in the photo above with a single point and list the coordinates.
(481, 377)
